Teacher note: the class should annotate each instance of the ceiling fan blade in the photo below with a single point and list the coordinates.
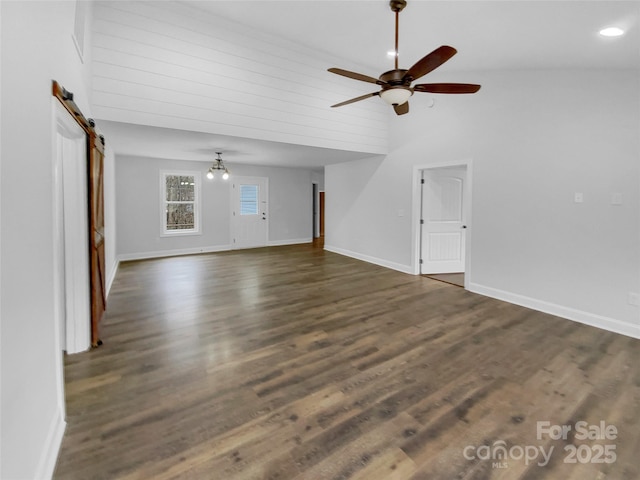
(430, 62)
(447, 87)
(401, 109)
(357, 99)
(356, 76)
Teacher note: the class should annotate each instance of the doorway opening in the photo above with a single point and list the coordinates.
(317, 216)
(443, 202)
(322, 215)
(315, 209)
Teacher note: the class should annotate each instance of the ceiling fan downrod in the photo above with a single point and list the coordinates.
(397, 6)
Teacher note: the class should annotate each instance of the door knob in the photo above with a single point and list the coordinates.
(463, 226)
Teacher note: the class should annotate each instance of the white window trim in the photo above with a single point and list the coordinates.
(196, 203)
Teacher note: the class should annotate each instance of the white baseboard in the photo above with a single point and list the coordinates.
(580, 316)
(191, 251)
(294, 241)
(376, 261)
(587, 318)
(172, 253)
(53, 442)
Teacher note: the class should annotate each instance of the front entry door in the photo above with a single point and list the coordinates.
(250, 214)
(443, 220)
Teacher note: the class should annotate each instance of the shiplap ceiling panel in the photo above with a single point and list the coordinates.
(190, 48)
(200, 96)
(207, 79)
(202, 109)
(159, 64)
(146, 112)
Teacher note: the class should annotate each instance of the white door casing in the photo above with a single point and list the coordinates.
(443, 220)
(71, 235)
(315, 205)
(250, 220)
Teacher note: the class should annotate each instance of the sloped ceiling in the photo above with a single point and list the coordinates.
(503, 34)
(356, 35)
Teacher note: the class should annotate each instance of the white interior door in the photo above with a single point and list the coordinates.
(250, 214)
(443, 220)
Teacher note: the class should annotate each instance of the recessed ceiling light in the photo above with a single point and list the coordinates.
(611, 32)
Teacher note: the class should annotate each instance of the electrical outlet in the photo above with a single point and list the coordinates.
(578, 197)
(634, 299)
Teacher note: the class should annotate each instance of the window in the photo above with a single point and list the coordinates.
(180, 198)
(249, 199)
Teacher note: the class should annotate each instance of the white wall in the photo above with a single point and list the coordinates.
(171, 65)
(138, 207)
(318, 177)
(36, 47)
(110, 255)
(535, 138)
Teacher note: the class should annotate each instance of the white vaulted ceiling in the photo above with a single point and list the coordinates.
(356, 35)
(489, 35)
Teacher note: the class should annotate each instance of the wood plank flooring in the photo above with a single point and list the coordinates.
(296, 363)
(452, 278)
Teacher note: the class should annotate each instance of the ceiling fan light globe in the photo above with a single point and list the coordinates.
(225, 175)
(210, 175)
(396, 96)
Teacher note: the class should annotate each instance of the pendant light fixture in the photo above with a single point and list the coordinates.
(218, 166)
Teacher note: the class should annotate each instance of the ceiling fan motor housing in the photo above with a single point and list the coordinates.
(396, 77)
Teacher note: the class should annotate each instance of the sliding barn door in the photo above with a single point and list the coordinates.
(96, 233)
(95, 176)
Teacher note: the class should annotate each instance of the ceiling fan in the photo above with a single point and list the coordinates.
(396, 83)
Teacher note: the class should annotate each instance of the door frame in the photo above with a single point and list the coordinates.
(315, 210)
(416, 228)
(321, 207)
(70, 218)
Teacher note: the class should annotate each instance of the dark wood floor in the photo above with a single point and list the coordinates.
(452, 278)
(296, 363)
